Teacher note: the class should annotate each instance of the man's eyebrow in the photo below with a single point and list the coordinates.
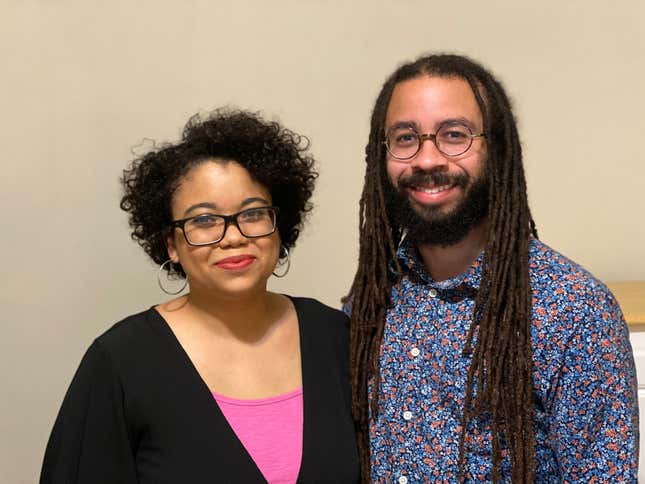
(442, 122)
(404, 124)
(457, 120)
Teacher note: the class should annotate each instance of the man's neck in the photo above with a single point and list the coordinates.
(445, 262)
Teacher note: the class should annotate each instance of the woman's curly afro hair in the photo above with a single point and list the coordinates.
(274, 156)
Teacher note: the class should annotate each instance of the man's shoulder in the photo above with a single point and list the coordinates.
(561, 283)
(548, 266)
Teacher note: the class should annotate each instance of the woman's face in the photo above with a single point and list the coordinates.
(236, 265)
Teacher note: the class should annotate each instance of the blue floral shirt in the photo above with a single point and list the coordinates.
(586, 413)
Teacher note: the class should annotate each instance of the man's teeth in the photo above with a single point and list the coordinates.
(433, 189)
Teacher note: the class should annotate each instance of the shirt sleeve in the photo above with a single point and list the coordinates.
(594, 424)
(89, 443)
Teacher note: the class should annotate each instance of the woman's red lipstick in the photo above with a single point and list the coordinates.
(236, 262)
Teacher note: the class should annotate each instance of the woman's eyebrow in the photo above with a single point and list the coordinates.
(212, 206)
(249, 201)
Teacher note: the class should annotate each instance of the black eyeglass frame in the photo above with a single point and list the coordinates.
(228, 219)
(422, 137)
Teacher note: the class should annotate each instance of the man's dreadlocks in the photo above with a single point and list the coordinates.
(500, 336)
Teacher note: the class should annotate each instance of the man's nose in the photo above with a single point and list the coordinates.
(429, 157)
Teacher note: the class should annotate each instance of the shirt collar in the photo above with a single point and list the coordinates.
(412, 264)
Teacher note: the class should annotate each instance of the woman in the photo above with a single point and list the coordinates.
(231, 382)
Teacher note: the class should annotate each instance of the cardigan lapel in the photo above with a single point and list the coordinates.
(228, 454)
(317, 381)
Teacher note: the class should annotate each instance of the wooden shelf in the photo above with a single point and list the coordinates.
(631, 297)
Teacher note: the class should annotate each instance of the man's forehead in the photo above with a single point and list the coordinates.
(432, 100)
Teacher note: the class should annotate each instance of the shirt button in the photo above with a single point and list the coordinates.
(415, 351)
(432, 293)
(407, 415)
(403, 480)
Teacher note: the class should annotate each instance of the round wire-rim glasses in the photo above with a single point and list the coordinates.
(403, 142)
(210, 228)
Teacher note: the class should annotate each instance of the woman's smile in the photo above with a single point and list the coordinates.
(236, 262)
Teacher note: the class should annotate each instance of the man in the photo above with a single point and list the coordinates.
(478, 352)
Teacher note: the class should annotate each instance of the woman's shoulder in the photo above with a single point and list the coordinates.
(318, 314)
(317, 307)
(129, 334)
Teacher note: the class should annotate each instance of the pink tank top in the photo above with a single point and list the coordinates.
(271, 431)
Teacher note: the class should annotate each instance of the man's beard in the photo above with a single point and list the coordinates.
(428, 224)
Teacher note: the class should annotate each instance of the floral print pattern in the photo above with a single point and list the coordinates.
(586, 413)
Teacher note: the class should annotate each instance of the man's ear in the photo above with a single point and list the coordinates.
(172, 249)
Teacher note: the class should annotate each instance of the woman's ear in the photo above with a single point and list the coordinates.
(172, 249)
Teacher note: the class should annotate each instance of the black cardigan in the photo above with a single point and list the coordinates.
(137, 411)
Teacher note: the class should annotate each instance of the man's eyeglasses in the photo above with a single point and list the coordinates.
(209, 228)
(451, 139)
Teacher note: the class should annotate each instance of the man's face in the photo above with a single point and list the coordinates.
(439, 198)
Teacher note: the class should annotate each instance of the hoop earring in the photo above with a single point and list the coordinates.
(162, 269)
(284, 254)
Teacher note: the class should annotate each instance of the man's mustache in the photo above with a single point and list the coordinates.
(425, 178)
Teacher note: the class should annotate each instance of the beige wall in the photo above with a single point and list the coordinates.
(84, 81)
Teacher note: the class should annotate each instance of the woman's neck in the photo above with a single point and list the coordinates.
(248, 318)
